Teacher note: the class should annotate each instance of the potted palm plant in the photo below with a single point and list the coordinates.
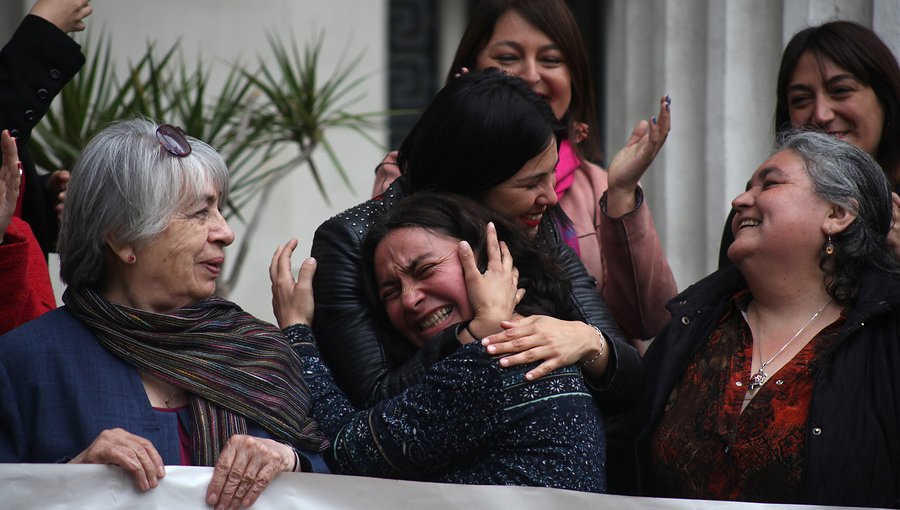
(282, 106)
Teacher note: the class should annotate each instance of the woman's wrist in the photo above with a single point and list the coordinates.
(595, 356)
(621, 201)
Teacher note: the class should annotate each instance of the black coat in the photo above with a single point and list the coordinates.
(353, 346)
(35, 64)
(853, 428)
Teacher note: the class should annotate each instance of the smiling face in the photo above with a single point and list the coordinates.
(420, 282)
(180, 265)
(526, 196)
(826, 96)
(519, 48)
(779, 216)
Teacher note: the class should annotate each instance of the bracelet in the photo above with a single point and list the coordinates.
(597, 356)
(296, 460)
(469, 331)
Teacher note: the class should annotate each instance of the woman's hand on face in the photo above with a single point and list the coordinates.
(245, 467)
(292, 301)
(630, 163)
(893, 236)
(494, 293)
(557, 342)
(10, 180)
(136, 455)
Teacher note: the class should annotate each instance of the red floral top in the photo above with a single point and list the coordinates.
(706, 448)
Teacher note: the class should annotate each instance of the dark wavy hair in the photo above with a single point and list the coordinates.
(479, 130)
(546, 284)
(847, 176)
(862, 53)
(553, 18)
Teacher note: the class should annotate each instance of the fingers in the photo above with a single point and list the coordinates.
(10, 152)
(132, 453)
(292, 300)
(494, 252)
(661, 123)
(467, 260)
(462, 71)
(59, 181)
(281, 262)
(307, 271)
(220, 478)
(245, 467)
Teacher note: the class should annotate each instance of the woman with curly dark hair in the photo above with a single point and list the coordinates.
(433, 265)
(776, 380)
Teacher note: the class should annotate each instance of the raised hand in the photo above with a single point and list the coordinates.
(630, 163)
(494, 293)
(68, 15)
(10, 180)
(292, 300)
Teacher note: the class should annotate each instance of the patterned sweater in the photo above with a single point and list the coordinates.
(469, 421)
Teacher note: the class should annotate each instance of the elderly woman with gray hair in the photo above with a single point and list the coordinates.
(778, 379)
(143, 367)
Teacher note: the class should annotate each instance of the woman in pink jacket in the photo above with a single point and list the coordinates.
(609, 226)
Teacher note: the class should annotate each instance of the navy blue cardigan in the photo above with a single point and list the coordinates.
(59, 388)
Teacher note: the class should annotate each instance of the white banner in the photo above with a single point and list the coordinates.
(75, 487)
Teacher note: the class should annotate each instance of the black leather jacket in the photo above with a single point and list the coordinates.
(350, 339)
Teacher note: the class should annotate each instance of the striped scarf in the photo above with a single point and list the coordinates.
(234, 366)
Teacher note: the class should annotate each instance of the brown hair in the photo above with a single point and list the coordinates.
(858, 50)
(553, 18)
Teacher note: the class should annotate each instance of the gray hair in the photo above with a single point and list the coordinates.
(125, 189)
(847, 176)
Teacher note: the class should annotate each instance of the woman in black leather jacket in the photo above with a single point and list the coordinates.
(488, 136)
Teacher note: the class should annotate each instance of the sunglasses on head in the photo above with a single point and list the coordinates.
(173, 140)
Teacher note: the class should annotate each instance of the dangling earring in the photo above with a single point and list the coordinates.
(131, 259)
(829, 246)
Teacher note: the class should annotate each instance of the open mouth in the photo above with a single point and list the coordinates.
(748, 223)
(436, 318)
(531, 220)
(214, 267)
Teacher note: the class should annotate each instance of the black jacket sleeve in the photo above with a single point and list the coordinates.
(35, 64)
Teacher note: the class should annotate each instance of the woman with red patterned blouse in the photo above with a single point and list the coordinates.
(778, 379)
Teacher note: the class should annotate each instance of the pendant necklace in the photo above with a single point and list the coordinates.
(158, 394)
(757, 379)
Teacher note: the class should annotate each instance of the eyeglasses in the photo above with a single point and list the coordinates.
(173, 140)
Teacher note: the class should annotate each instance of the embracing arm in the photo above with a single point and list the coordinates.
(621, 384)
